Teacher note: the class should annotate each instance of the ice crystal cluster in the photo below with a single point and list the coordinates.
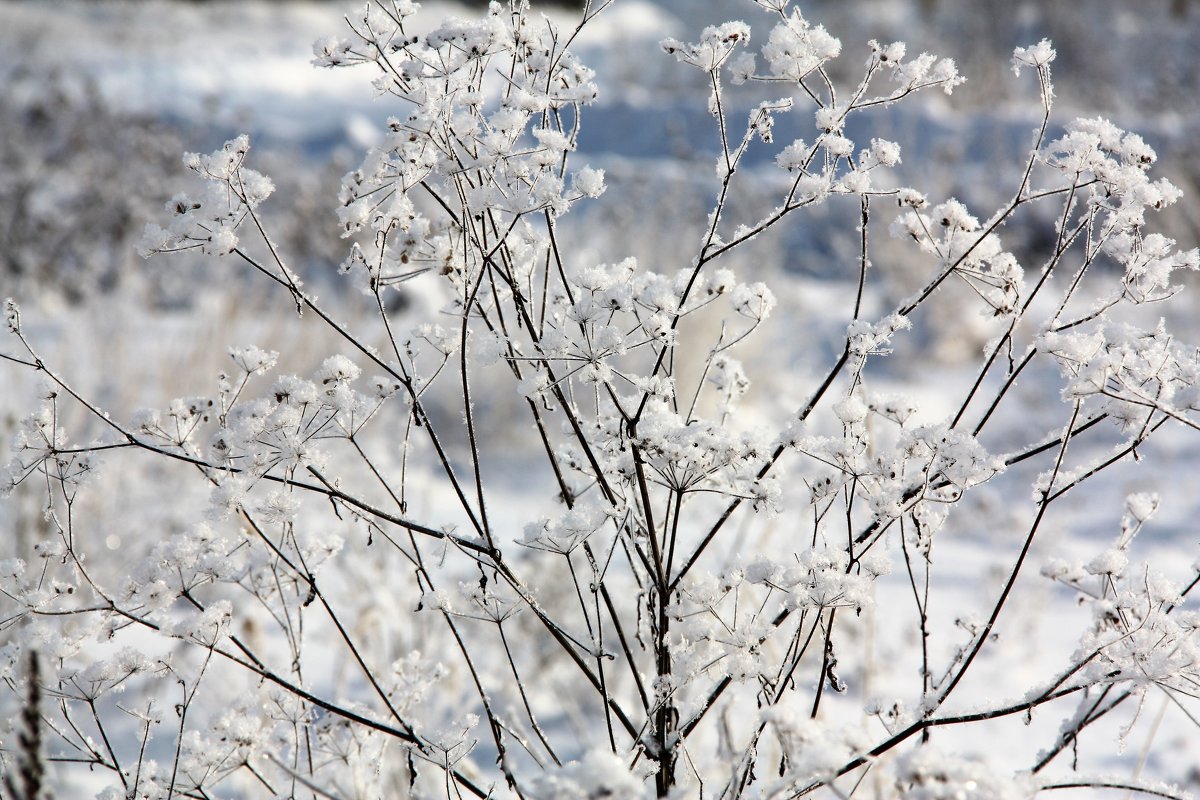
(683, 597)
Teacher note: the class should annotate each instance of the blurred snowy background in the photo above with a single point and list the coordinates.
(98, 100)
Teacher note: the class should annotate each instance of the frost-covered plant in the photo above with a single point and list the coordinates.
(671, 600)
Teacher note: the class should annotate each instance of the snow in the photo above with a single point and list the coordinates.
(244, 66)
